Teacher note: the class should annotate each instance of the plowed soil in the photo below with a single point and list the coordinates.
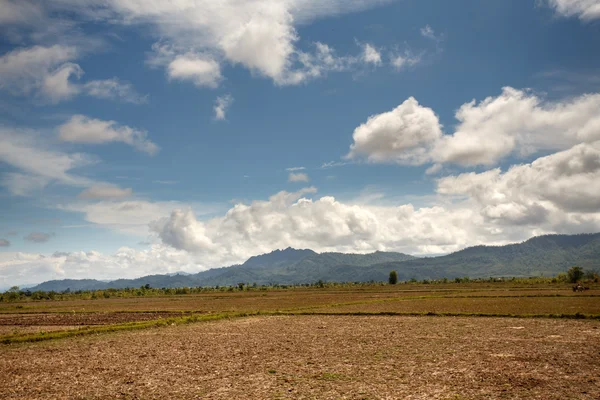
(316, 357)
(79, 318)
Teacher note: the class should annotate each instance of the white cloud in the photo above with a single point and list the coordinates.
(39, 164)
(521, 121)
(113, 89)
(221, 106)
(586, 10)
(318, 64)
(83, 129)
(550, 187)
(28, 268)
(104, 191)
(371, 55)
(201, 70)
(428, 32)
(57, 85)
(48, 73)
(259, 35)
(333, 164)
(516, 120)
(298, 177)
(404, 135)
(40, 70)
(129, 216)
(325, 224)
(402, 61)
(19, 12)
(292, 169)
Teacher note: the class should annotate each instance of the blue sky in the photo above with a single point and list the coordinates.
(143, 137)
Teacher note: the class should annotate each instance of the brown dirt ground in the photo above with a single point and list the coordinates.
(79, 318)
(316, 357)
(497, 305)
(20, 329)
(271, 300)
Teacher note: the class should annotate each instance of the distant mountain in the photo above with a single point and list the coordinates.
(277, 258)
(547, 255)
(543, 255)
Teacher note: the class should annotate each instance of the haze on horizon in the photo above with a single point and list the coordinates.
(152, 137)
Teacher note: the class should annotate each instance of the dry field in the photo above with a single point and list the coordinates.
(317, 357)
(177, 351)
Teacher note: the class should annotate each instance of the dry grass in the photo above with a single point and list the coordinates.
(316, 357)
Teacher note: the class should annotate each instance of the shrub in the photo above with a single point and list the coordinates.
(393, 278)
(575, 274)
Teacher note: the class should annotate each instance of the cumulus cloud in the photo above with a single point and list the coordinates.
(201, 70)
(298, 177)
(586, 10)
(104, 191)
(551, 187)
(38, 237)
(515, 121)
(259, 35)
(4, 243)
(404, 135)
(83, 129)
(325, 224)
(221, 106)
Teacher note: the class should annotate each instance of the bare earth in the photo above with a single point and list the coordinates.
(316, 357)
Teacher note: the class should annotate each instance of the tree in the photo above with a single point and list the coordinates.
(393, 279)
(575, 274)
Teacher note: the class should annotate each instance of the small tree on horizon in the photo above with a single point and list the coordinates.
(393, 279)
(575, 274)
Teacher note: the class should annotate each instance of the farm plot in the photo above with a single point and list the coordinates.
(48, 322)
(310, 357)
(468, 305)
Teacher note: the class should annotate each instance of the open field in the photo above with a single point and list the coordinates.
(255, 344)
(317, 357)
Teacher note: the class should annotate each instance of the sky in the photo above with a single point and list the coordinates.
(144, 136)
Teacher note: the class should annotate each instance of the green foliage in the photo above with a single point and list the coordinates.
(393, 278)
(575, 274)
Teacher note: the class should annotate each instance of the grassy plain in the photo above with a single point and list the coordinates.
(291, 344)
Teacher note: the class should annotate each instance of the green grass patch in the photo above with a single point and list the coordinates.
(128, 326)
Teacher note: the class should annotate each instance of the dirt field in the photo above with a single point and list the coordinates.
(282, 300)
(11, 324)
(174, 352)
(317, 357)
(495, 305)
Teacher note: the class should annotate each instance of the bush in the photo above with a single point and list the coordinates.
(575, 274)
(393, 279)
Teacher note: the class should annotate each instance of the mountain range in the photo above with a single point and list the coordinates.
(543, 255)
